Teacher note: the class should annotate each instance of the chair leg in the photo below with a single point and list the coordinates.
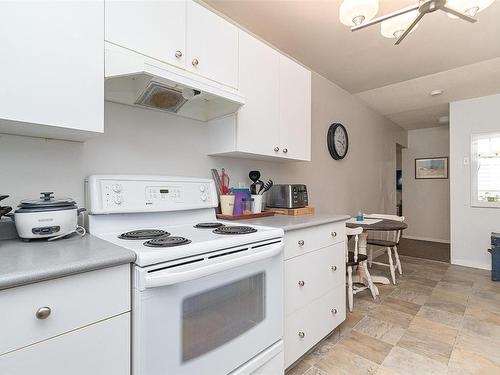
(371, 286)
(398, 262)
(350, 292)
(370, 257)
(391, 266)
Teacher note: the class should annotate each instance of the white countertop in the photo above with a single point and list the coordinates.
(288, 223)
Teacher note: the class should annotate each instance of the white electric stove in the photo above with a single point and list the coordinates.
(207, 295)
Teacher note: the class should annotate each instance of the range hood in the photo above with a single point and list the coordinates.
(136, 80)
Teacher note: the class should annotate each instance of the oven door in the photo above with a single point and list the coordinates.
(208, 314)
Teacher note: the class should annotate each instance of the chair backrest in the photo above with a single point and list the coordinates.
(352, 232)
(386, 235)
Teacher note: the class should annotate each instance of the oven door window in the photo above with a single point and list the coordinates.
(217, 316)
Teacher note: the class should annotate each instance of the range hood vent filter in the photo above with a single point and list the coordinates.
(159, 96)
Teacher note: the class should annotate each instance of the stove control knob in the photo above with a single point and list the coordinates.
(202, 188)
(118, 199)
(116, 188)
(203, 197)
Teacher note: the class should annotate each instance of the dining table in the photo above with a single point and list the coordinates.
(373, 224)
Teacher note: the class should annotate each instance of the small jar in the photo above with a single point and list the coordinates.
(246, 206)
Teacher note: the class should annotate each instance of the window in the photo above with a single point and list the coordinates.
(486, 170)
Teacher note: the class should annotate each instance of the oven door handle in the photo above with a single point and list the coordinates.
(164, 278)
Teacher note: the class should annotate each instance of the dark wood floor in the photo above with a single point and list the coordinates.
(425, 249)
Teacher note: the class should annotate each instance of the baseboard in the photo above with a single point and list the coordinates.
(426, 239)
(468, 263)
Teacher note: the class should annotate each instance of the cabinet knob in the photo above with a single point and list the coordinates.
(195, 62)
(333, 311)
(178, 54)
(334, 234)
(334, 268)
(43, 312)
(285, 150)
(301, 242)
(276, 149)
(301, 334)
(302, 283)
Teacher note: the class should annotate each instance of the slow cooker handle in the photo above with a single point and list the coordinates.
(47, 195)
(80, 210)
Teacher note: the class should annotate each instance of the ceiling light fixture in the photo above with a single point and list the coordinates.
(355, 12)
(359, 13)
(437, 92)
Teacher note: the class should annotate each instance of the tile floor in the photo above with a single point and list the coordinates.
(438, 319)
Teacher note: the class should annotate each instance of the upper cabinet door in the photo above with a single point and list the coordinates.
(295, 110)
(156, 29)
(258, 119)
(212, 45)
(51, 69)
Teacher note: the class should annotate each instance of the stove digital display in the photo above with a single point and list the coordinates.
(163, 191)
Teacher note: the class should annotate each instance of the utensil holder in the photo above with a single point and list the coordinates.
(257, 204)
(227, 204)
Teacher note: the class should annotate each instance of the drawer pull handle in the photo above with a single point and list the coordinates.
(301, 242)
(334, 234)
(43, 312)
(301, 334)
(334, 268)
(334, 311)
(302, 283)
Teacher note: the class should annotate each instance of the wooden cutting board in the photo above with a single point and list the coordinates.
(292, 211)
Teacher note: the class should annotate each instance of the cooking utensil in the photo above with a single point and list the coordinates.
(46, 217)
(4, 209)
(254, 176)
(224, 179)
(266, 187)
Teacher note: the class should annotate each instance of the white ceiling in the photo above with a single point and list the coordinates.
(394, 80)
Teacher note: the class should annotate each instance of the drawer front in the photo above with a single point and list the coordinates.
(307, 326)
(301, 241)
(74, 301)
(99, 349)
(312, 275)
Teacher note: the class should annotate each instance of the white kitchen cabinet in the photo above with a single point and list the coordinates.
(275, 121)
(258, 80)
(181, 33)
(99, 349)
(153, 28)
(314, 286)
(212, 45)
(295, 110)
(51, 70)
(48, 325)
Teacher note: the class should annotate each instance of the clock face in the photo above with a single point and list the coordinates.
(338, 141)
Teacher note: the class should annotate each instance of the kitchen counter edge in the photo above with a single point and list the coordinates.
(24, 263)
(289, 223)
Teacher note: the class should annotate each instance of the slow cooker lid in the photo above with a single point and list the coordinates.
(47, 201)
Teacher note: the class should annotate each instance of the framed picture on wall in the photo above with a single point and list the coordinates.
(431, 168)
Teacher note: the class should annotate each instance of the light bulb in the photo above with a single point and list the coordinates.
(355, 12)
(395, 27)
(469, 7)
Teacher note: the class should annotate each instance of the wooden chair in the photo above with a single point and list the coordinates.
(353, 259)
(389, 240)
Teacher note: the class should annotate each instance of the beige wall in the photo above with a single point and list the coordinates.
(142, 141)
(470, 226)
(426, 203)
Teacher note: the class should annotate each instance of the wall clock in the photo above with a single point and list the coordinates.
(338, 141)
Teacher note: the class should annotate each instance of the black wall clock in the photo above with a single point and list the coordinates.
(337, 141)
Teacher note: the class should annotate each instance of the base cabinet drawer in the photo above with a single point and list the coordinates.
(307, 326)
(99, 349)
(301, 241)
(312, 275)
(39, 311)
